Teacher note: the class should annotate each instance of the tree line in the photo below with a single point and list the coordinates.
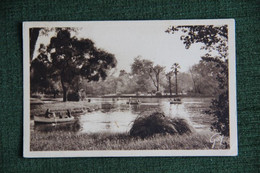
(150, 79)
(71, 65)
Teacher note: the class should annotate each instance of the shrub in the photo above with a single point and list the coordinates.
(158, 93)
(145, 126)
(220, 111)
(74, 96)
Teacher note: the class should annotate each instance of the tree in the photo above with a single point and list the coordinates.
(175, 67)
(122, 73)
(146, 68)
(156, 70)
(69, 59)
(214, 39)
(36, 32)
(204, 77)
(169, 76)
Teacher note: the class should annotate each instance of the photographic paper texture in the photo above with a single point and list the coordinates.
(130, 88)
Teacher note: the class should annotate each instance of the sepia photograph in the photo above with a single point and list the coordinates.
(130, 88)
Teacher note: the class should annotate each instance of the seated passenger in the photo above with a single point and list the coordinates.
(68, 113)
(47, 113)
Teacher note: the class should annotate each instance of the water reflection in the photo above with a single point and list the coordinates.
(117, 116)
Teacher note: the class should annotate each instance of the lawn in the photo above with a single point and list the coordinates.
(64, 141)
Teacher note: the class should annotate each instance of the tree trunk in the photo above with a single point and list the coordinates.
(34, 33)
(176, 89)
(170, 86)
(64, 94)
(158, 81)
(64, 90)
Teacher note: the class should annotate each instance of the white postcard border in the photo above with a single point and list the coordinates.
(233, 151)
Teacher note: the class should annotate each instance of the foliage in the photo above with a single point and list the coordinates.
(38, 75)
(215, 41)
(220, 110)
(169, 76)
(204, 78)
(155, 123)
(158, 93)
(69, 58)
(175, 68)
(73, 96)
(146, 68)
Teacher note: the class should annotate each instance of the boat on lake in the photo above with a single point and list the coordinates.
(133, 102)
(38, 119)
(176, 101)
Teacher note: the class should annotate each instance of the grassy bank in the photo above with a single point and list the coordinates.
(63, 141)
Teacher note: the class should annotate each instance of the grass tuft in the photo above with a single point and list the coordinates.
(157, 123)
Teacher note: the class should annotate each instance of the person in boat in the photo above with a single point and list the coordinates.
(89, 100)
(130, 100)
(49, 114)
(68, 113)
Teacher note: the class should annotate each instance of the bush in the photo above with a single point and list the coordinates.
(220, 111)
(74, 96)
(138, 93)
(158, 93)
(145, 126)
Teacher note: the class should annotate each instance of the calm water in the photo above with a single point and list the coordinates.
(117, 116)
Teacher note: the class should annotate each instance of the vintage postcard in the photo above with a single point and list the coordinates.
(130, 88)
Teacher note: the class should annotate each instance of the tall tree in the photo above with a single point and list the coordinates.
(69, 58)
(34, 33)
(147, 68)
(169, 76)
(214, 39)
(175, 68)
(156, 71)
(204, 77)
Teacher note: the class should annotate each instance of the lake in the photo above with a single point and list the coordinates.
(116, 116)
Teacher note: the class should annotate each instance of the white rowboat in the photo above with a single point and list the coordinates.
(52, 119)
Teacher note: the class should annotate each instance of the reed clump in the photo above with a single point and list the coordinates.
(157, 123)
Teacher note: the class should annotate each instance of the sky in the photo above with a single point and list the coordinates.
(128, 40)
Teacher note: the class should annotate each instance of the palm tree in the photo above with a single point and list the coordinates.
(169, 76)
(175, 68)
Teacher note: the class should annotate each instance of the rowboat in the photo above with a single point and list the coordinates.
(38, 119)
(133, 102)
(175, 102)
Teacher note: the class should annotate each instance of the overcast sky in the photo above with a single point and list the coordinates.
(129, 40)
